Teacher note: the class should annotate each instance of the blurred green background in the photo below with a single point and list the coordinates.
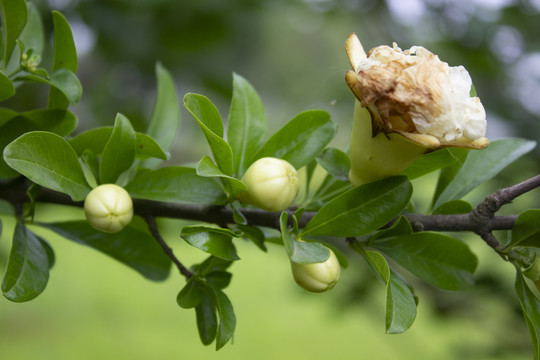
(292, 53)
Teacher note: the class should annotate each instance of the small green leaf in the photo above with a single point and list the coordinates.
(48, 160)
(91, 167)
(400, 301)
(62, 79)
(65, 56)
(253, 234)
(336, 163)
(191, 295)
(453, 207)
(146, 146)
(48, 250)
(32, 36)
(219, 279)
(7, 89)
(166, 115)
(207, 322)
(301, 139)
(14, 16)
(27, 271)
(362, 209)
(482, 165)
(439, 259)
(526, 231)
(176, 184)
(227, 318)
(215, 241)
(207, 168)
(119, 153)
(208, 118)
(530, 305)
(430, 162)
(247, 124)
(401, 227)
(301, 252)
(132, 246)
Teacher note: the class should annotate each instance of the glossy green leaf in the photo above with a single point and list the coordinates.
(27, 270)
(447, 174)
(209, 120)
(91, 167)
(453, 207)
(5, 116)
(328, 190)
(207, 168)
(176, 184)
(207, 323)
(7, 89)
(215, 241)
(132, 246)
(530, 305)
(219, 279)
(14, 16)
(247, 124)
(301, 252)
(51, 257)
(400, 227)
(482, 165)
(400, 301)
(65, 56)
(48, 160)
(227, 318)
(166, 114)
(119, 152)
(301, 139)
(362, 209)
(438, 259)
(96, 139)
(32, 36)
(336, 163)
(526, 230)
(211, 264)
(430, 162)
(254, 234)
(62, 79)
(191, 294)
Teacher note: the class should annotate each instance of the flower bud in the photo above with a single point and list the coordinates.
(108, 208)
(413, 103)
(317, 277)
(272, 184)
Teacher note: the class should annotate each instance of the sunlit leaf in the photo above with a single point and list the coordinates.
(215, 241)
(14, 16)
(119, 152)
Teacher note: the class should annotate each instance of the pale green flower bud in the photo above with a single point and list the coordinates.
(317, 277)
(408, 103)
(272, 184)
(108, 208)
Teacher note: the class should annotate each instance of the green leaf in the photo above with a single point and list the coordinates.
(207, 322)
(7, 89)
(166, 115)
(96, 139)
(447, 174)
(254, 234)
(176, 184)
(301, 252)
(48, 160)
(401, 227)
(27, 271)
(336, 163)
(220, 279)
(227, 318)
(62, 79)
(209, 120)
(438, 259)
(526, 231)
(191, 295)
(48, 250)
(247, 124)
(482, 165)
(32, 36)
(400, 301)
(132, 246)
(215, 241)
(91, 168)
(531, 311)
(14, 16)
(362, 209)
(453, 207)
(207, 168)
(119, 153)
(65, 57)
(328, 190)
(430, 162)
(301, 139)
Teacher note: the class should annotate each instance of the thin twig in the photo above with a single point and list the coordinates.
(152, 226)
